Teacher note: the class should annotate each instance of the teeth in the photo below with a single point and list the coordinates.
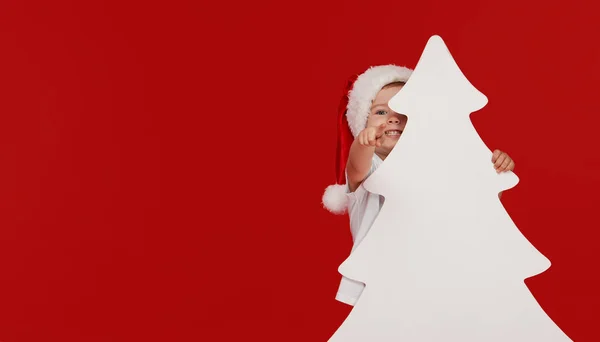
(392, 133)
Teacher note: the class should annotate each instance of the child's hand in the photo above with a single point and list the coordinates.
(371, 136)
(502, 162)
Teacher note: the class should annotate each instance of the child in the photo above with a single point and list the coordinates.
(367, 133)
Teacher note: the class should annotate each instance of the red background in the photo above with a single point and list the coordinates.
(162, 163)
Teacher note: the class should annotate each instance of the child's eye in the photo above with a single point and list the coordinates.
(381, 112)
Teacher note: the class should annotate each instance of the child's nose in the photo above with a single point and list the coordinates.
(394, 119)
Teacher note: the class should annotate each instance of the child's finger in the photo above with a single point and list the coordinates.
(504, 165)
(363, 139)
(381, 129)
(500, 160)
(372, 137)
(511, 166)
(495, 155)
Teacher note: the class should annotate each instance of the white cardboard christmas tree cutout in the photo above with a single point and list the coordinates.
(443, 261)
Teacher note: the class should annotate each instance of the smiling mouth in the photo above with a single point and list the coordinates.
(393, 132)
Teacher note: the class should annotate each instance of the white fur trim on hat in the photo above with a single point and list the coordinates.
(335, 199)
(366, 87)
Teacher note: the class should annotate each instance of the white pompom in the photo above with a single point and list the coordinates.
(335, 199)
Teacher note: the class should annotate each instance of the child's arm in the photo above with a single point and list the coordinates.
(361, 155)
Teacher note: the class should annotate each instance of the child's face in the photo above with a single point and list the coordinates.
(381, 113)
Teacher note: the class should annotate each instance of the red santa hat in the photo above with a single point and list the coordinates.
(353, 112)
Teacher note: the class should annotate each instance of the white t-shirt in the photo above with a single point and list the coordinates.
(363, 207)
